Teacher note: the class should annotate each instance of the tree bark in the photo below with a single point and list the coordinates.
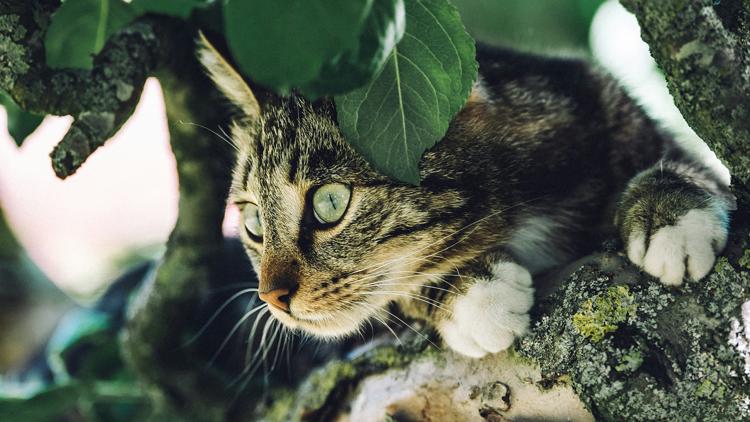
(703, 47)
(101, 100)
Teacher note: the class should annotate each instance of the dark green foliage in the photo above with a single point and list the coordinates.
(179, 8)
(382, 30)
(20, 123)
(80, 28)
(406, 109)
(88, 376)
(285, 44)
(539, 25)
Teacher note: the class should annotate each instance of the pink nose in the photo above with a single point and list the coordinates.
(277, 297)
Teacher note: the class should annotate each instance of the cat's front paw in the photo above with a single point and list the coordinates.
(687, 248)
(491, 314)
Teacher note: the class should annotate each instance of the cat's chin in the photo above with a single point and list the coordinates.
(330, 328)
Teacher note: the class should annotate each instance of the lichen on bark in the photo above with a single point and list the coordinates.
(703, 47)
(100, 100)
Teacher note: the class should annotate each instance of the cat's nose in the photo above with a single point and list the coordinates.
(277, 297)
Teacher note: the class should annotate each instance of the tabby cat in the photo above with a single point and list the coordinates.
(548, 158)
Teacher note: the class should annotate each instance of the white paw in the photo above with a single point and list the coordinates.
(687, 248)
(491, 314)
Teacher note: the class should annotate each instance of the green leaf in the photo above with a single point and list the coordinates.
(20, 123)
(80, 28)
(383, 29)
(285, 43)
(179, 8)
(407, 108)
(48, 405)
(83, 346)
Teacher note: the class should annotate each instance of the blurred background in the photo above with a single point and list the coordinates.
(119, 208)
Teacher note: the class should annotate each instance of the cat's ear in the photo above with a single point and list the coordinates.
(227, 78)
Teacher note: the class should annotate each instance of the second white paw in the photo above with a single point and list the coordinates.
(489, 317)
(685, 249)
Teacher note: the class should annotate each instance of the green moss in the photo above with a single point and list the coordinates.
(603, 313)
(723, 265)
(387, 357)
(630, 361)
(13, 53)
(667, 361)
(322, 382)
(744, 260)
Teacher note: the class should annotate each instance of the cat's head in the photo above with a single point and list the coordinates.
(332, 240)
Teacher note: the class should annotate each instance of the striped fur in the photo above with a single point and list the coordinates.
(530, 175)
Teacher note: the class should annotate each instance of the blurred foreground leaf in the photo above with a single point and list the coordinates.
(89, 377)
(48, 405)
(84, 346)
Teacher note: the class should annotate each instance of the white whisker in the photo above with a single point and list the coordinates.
(216, 314)
(234, 330)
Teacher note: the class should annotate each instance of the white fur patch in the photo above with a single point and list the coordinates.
(491, 314)
(532, 244)
(687, 248)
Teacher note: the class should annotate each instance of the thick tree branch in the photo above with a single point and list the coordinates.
(161, 322)
(703, 47)
(100, 100)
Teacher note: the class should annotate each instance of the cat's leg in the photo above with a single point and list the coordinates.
(487, 308)
(674, 219)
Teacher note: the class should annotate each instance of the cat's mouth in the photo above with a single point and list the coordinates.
(336, 324)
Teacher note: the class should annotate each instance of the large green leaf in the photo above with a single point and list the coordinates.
(285, 43)
(179, 8)
(383, 29)
(20, 123)
(407, 108)
(79, 29)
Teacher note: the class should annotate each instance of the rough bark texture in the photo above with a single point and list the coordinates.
(630, 348)
(159, 327)
(101, 100)
(703, 47)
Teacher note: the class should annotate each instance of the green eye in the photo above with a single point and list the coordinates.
(253, 221)
(330, 201)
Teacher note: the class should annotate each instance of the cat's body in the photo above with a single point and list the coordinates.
(532, 173)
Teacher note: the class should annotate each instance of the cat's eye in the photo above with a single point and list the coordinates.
(330, 201)
(253, 221)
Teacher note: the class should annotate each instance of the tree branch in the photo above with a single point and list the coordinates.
(161, 321)
(101, 100)
(703, 47)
